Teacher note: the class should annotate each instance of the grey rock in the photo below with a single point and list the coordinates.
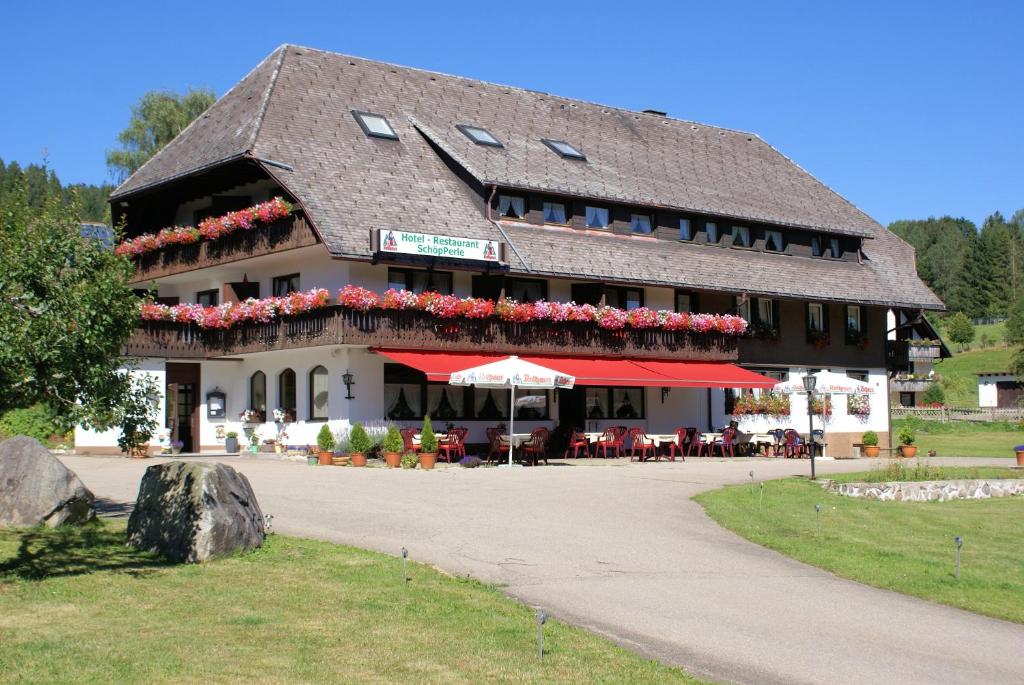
(193, 512)
(37, 489)
(930, 491)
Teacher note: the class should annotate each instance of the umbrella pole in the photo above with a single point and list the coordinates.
(511, 422)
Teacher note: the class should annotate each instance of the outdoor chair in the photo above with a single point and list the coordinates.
(536, 448)
(780, 436)
(693, 442)
(680, 444)
(494, 446)
(607, 441)
(818, 443)
(725, 443)
(577, 441)
(640, 441)
(407, 440)
(453, 443)
(792, 447)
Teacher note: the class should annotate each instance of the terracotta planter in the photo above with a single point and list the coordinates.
(870, 450)
(908, 451)
(358, 459)
(393, 459)
(326, 458)
(428, 459)
(1020, 458)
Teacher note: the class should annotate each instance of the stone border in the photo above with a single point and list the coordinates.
(929, 490)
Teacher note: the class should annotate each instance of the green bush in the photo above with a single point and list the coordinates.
(38, 421)
(870, 438)
(409, 460)
(392, 441)
(907, 436)
(428, 441)
(325, 439)
(934, 395)
(359, 439)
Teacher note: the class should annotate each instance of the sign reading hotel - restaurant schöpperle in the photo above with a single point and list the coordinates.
(429, 245)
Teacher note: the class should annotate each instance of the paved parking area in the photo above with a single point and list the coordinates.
(621, 549)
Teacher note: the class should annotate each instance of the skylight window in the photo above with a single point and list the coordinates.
(478, 135)
(374, 125)
(564, 149)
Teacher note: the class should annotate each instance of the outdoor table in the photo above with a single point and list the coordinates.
(418, 436)
(517, 439)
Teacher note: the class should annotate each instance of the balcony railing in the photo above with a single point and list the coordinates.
(910, 385)
(420, 330)
(923, 352)
(285, 234)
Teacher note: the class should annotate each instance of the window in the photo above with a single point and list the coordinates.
(857, 375)
(614, 403)
(510, 206)
(766, 312)
(686, 302)
(282, 285)
(741, 236)
(532, 405)
(743, 307)
(419, 281)
(855, 325)
(597, 217)
(478, 135)
(815, 317)
(624, 298)
(407, 394)
(817, 246)
(525, 290)
(258, 392)
(404, 390)
(564, 149)
(711, 229)
(834, 248)
(773, 241)
(445, 402)
(318, 394)
(685, 230)
(554, 213)
(286, 393)
(640, 223)
(374, 125)
(825, 247)
(207, 298)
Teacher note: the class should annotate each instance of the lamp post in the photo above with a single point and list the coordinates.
(809, 383)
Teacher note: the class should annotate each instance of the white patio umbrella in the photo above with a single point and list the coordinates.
(512, 372)
(828, 383)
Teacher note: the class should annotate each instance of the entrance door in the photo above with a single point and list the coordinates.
(572, 408)
(182, 405)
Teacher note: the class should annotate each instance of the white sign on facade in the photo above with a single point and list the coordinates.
(429, 245)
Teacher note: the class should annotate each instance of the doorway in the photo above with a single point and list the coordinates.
(572, 408)
(182, 421)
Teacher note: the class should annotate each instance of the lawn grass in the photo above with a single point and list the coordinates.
(920, 470)
(959, 372)
(964, 438)
(79, 606)
(903, 546)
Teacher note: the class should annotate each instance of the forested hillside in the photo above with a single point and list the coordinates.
(42, 183)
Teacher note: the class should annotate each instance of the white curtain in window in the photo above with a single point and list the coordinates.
(814, 317)
(741, 236)
(490, 405)
(511, 206)
(318, 393)
(444, 402)
(743, 307)
(597, 217)
(853, 318)
(554, 212)
(764, 311)
(627, 403)
(640, 223)
(402, 400)
(834, 247)
(597, 403)
(684, 230)
(773, 241)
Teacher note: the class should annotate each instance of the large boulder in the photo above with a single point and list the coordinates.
(36, 488)
(192, 511)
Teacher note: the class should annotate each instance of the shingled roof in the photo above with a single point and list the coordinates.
(294, 109)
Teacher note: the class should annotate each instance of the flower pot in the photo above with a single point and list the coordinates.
(1020, 458)
(870, 450)
(393, 459)
(428, 459)
(255, 449)
(358, 459)
(326, 458)
(313, 460)
(231, 445)
(908, 451)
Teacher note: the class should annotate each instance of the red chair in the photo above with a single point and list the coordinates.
(694, 444)
(407, 439)
(536, 448)
(577, 442)
(640, 441)
(607, 441)
(494, 446)
(792, 447)
(726, 442)
(680, 444)
(453, 444)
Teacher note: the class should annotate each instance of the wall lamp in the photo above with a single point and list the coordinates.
(347, 379)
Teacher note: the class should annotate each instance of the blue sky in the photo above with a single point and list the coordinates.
(908, 109)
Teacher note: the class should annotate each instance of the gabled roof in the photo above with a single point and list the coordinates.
(294, 109)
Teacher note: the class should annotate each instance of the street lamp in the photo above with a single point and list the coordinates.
(809, 382)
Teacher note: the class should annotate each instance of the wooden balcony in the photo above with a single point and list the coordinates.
(910, 385)
(923, 352)
(285, 234)
(419, 330)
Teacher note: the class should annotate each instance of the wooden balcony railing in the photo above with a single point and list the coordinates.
(923, 352)
(284, 234)
(419, 330)
(910, 385)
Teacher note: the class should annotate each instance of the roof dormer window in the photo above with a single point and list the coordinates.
(773, 241)
(511, 207)
(478, 135)
(640, 223)
(564, 149)
(374, 125)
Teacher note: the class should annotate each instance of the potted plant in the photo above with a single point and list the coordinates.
(176, 446)
(325, 441)
(1019, 449)
(907, 447)
(391, 446)
(341, 447)
(428, 445)
(231, 442)
(409, 460)
(870, 441)
(361, 444)
(254, 442)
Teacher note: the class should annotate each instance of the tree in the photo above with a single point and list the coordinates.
(1015, 323)
(65, 312)
(156, 119)
(960, 329)
(40, 184)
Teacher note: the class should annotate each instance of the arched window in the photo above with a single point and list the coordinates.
(318, 393)
(286, 393)
(258, 393)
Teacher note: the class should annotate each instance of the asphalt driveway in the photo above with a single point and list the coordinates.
(621, 549)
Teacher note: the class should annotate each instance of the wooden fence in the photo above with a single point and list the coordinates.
(946, 414)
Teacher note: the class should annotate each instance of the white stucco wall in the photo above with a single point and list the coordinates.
(155, 369)
(988, 393)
